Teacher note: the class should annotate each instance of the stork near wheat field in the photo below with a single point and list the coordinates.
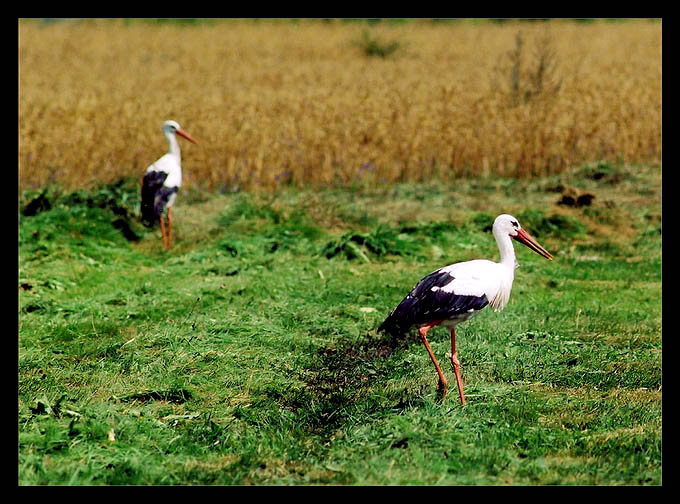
(337, 162)
(161, 182)
(457, 292)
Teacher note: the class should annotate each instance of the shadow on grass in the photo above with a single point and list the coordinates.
(340, 384)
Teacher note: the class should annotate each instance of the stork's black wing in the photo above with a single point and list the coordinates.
(154, 196)
(427, 302)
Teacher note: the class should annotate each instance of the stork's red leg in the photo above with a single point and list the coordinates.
(169, 226)
(443, 385)
(456, 365)
(165, 240)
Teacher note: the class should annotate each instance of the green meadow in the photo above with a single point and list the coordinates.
(247, 353)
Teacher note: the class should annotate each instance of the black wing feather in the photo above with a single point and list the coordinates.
(423, 305)
(155, 196)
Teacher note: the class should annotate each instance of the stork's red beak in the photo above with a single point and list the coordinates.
(186, 135)
(526, 239)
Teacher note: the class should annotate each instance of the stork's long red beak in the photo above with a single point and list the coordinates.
(186, 135)
(526, 239)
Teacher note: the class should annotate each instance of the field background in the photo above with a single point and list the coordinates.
(302, 103)
(338, 163)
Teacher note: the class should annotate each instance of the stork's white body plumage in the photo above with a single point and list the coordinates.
(170, 163)
(455, 293)
(480, 278)
(162, 180)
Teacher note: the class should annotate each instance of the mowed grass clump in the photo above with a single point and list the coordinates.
(302, 103)
(248, 355)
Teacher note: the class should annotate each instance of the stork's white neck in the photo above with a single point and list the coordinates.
(506, 249)
(508, 263)
(173, 145)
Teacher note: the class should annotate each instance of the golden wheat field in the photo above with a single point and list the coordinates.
(282, 102)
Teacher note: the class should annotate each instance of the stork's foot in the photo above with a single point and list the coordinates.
(442, 389)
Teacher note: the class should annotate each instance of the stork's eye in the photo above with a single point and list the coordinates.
(514, 224)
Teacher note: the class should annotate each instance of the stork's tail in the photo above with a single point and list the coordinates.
(399, 321)
(149, 216)
(388, 326)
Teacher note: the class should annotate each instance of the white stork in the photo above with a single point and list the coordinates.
(162, 181)
(455, 293)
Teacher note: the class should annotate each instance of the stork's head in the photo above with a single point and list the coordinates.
(172, 127)
(507, 225)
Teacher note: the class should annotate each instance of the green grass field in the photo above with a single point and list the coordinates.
(247, 354)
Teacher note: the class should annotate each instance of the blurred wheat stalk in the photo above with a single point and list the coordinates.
(301, 103)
